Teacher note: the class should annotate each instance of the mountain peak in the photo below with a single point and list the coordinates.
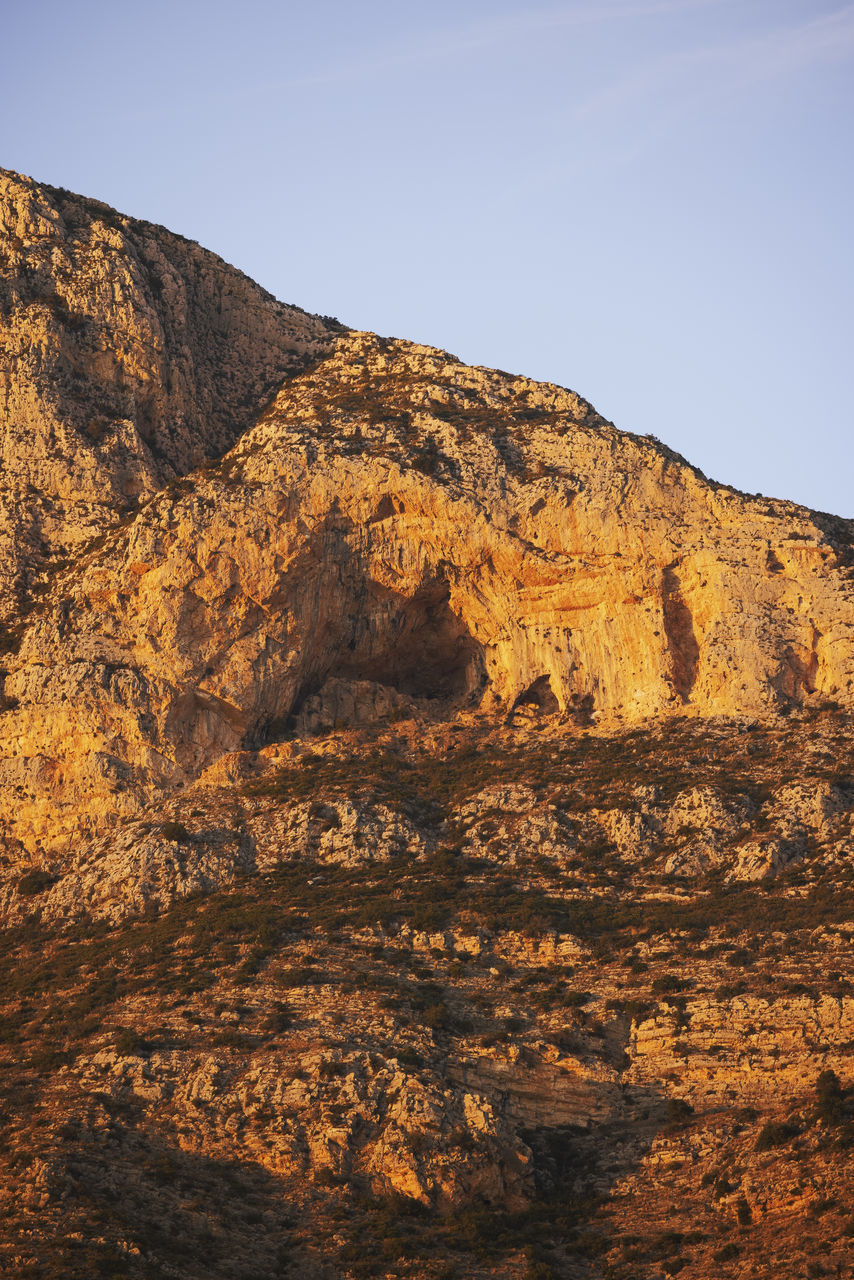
(426, 841)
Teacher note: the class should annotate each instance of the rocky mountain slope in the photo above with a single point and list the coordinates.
(398, 521)
(128, 355)
(427, 839)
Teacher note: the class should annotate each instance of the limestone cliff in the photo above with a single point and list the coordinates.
(428, 811)
(398, 520)
(127, 354)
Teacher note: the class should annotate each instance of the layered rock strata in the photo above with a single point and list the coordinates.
(398, 526)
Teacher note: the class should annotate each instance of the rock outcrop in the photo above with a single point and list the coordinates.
(128, 355)
(453, 535)
(427, 811)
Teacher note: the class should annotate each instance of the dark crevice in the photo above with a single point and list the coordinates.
(539, 694)
(681, 638)
(426, 652)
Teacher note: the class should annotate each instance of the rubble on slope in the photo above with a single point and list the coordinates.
(496, 1037)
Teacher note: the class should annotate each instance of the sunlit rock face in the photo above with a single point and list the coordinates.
(127, 355)
(393, 528)
(427, 812)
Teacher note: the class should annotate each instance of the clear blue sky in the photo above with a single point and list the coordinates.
(649, 201)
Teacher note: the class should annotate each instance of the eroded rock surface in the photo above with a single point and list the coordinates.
(128, 355)
(428, 812)
(399, 522)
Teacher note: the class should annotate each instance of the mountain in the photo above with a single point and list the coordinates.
(427, 839)
(129, 356)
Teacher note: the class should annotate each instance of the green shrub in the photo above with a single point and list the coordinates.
(279, 1019)
(679, 1111)
(669, 982)
(638, 1010)
(129, 1042)
(332, 1070)
(301, 976)
(231, 1039)
(775, 1133)
(830, 1099)
(438, 1017)
(34, 882)
(175, 831)
(575, 999)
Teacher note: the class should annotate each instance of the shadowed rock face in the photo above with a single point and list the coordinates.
(394, 517)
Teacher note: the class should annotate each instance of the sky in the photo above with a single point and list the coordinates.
(649, 201)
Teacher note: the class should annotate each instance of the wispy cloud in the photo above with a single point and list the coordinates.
(686, 72)
(768, 53)
(829, 37)
(427, 45)
(627, 117)
(737, 62)
(592, 15)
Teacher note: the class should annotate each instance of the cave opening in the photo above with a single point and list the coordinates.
(408, 648)
(425, 650)
(540, 696)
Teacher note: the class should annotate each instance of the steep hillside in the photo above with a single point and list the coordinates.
(422, 529)
(127, 355)
(427, 836)
(458, 1000)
